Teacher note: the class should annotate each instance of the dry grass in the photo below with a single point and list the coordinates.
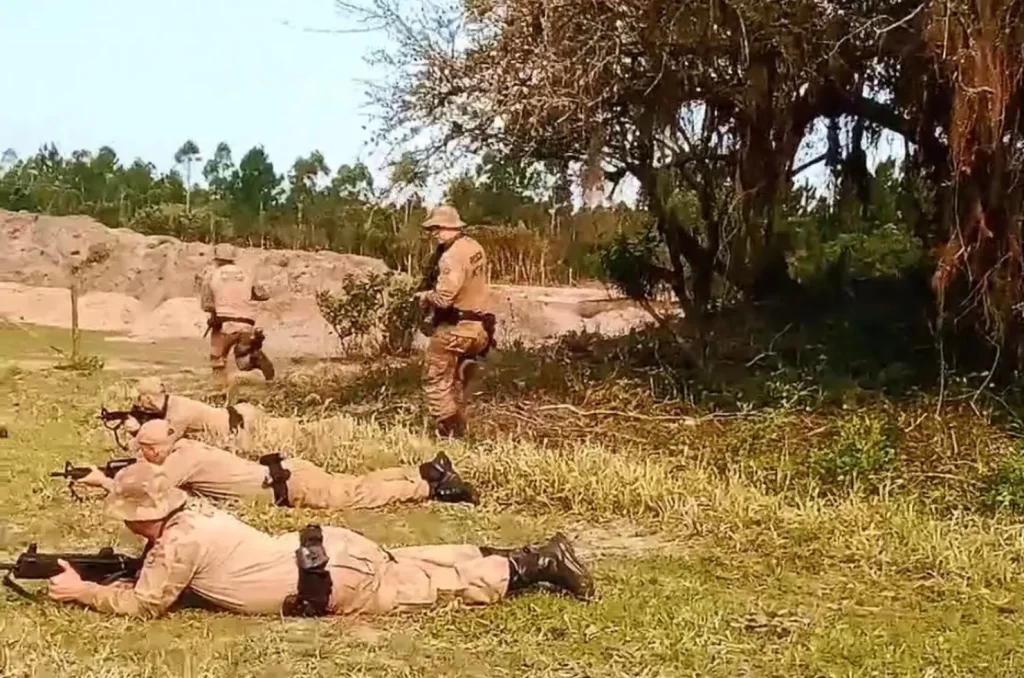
(709, 562)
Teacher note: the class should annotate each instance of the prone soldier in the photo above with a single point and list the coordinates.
(227, 295)
(319, 571)
(191, 417)
(214, 473)
(463, 329)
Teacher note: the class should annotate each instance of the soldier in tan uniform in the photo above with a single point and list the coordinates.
(191, 417)
(318, 571)
(463, 329)
(213, 473)
(227, 295)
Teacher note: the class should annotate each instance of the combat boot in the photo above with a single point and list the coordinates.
(437, 469)
(445, 484)
(454, 490)
(555, 563)
(264, 365)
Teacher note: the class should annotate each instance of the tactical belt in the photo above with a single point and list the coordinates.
(314, 586)
(235, 420)
(453, 316)
(279, 476)
(221, 319)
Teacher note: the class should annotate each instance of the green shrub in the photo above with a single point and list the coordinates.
(864, 448)
(374, 314)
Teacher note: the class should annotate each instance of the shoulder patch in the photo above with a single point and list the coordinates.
(477, 256)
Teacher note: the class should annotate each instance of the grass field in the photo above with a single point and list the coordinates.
(741, 546)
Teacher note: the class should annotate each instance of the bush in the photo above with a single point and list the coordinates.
(374, 314)
(1005, 488)
(864, 448)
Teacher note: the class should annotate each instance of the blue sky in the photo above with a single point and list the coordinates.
(142, 76)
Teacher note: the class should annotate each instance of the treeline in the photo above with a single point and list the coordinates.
(532, 235)
(522, 213)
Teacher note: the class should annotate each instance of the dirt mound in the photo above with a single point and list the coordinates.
(147, 286)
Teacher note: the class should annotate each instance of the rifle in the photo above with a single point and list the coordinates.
(119, 417)
(110, 469)
(431, 272)
(102, 567)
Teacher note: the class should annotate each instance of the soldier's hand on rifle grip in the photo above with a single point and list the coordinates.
(421, 298)
(95, 478)
(67, 585)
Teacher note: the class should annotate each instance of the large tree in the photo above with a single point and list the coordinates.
(715, 100)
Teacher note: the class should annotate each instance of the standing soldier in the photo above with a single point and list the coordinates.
(228, 294)
(463, 329)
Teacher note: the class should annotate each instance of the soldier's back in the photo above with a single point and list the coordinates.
(232, 292)
(467, 254)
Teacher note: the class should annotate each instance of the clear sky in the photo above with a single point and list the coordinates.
(144, 75)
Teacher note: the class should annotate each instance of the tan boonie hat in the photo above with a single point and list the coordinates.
(444, 216)
(224, 252)
(155, 432)
(143, 492)
(150, 386)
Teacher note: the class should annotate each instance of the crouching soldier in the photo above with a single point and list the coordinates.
(318, 571)
(214, 473)
(227, 295)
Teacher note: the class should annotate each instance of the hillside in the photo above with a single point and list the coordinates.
(146, 287)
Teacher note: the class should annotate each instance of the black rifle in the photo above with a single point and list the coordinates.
(113, 421)
(102, 567)
(431, 272)
(110, 469)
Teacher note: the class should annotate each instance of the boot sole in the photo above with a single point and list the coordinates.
(569, 560)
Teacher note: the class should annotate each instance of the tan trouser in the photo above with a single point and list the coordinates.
(368, 579)
(444, 390)
(312, 487)
(418, 576)
(223, 340)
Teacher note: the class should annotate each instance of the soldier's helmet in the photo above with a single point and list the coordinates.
(446, 217)
(150, 386)
(143, 492)
(155, 432)
(224, 252)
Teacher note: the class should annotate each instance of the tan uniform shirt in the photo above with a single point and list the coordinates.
(193, 417)
(229, 291)
(233, 565)
(211, 472)
(462, 280)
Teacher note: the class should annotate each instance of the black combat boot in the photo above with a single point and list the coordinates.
(555, 563)
(264, 365)
(437, 469)
(445, 483)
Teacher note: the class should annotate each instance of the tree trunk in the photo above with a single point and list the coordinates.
(75, 335)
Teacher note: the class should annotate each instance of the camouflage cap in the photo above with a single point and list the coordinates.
(155, 432)
(150, 386)
(444, 216)
(224, 252)
(143, 492)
